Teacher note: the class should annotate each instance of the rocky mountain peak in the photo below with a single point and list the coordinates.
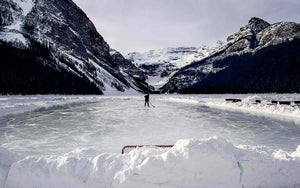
(254, 26)
(258, 58)
(73, 50)
(257, 24)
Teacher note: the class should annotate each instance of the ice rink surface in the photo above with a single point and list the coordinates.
(69, 138)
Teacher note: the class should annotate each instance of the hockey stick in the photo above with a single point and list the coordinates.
(152, 104)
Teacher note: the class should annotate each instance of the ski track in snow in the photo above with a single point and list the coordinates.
(212, 162)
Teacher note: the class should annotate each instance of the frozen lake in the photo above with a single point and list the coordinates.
(75, 141)
(108, 123)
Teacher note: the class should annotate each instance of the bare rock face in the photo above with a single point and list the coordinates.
(278, 33)
(9, 11)
(254, 26)
(250, 61)
(74, 45)
(257, 25)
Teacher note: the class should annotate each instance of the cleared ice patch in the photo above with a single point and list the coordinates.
(107, 123)
(181, 100)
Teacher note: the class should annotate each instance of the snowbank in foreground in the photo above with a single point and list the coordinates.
(212, 162)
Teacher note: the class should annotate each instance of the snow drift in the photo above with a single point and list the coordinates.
(212, 162)
(247, 105)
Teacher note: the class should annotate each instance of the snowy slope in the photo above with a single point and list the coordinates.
(161, 64)
(134, 75)
(75, 47)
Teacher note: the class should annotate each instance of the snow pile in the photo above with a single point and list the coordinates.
(7, 158)
(212, 162)
(248, 104)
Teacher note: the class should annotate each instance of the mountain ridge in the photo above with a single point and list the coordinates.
(57, 37)
(250, 39)
(75, 47)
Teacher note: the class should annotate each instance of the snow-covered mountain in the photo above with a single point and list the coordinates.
(260, 57)
(49, 46)
(75, 58)
(131, 72)
(160, 65)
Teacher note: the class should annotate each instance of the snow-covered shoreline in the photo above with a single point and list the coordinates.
(247, 105)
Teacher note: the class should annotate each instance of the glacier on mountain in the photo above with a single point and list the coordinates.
(160, 65)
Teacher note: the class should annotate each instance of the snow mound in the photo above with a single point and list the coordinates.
(7, 158)
(212, 162)
(265, 107)
(247, 105)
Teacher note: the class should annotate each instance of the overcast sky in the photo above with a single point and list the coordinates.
(142, 25)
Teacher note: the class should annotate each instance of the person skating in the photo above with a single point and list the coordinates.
(147, 100)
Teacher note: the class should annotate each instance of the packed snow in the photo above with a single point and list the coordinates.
(212, 162)
(248, 103)
(75, 141)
